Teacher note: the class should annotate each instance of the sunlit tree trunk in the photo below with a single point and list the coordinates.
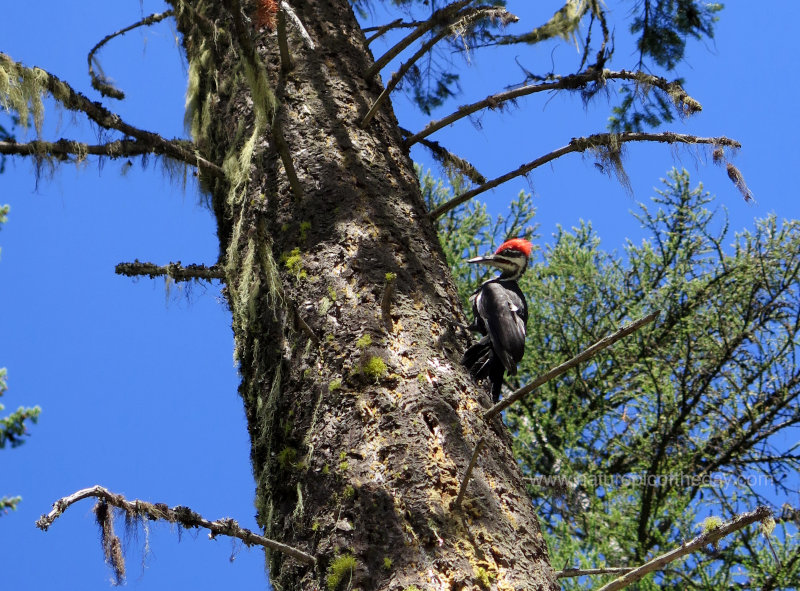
(348, 327)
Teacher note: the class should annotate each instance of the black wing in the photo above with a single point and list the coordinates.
(504, 313)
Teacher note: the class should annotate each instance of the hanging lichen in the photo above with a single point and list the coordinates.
(21, 91)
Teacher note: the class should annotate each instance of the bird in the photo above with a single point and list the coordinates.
(500, 315)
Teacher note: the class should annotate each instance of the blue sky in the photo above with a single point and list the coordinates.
(138, 385)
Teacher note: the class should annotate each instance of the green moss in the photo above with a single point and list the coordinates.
(331, 293)
(344, 466)
(374, 368)
(340, 569)
(287, 458)
(315, 525)
(349, 492)
(293, 261)
(484, 577)
(387, 563)
(343, 455)
(335, 385)
(284, 227)
(304, 228)
(391, 277)
(364, 341)
(326, 469)
(412, 588)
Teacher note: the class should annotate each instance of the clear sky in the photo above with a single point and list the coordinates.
(138, 385)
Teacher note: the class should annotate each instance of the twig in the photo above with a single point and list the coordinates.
(581, 144)
(100, 83)
(395, 24)
(587, 572)
(567, 365)
(464, 15)
(441, 16)
(75, 101)
(708, 537)
(181, 515)
(174, 270)
(571, 82)
(463, 489)
(298, 24)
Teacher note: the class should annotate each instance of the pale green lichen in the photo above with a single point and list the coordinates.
(21, 91)
(335, 384)
(709, 523)
(364, 341)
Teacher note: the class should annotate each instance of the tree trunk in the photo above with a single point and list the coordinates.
(347, 323)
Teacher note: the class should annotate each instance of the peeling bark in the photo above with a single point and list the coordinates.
(360, 427)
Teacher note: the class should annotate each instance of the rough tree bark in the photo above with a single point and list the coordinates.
(347, 324)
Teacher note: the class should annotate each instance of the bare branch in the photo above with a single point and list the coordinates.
(101, 83)
(174, 270)
(75, 101)
(468, 473)
(440, 17)
(706, 538)
(567, 365)
(63, 149)
(572, 82)
(587, 572)
(463, 16)
(608, 141)
(181, 515)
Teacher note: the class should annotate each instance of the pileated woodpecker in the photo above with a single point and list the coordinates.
(500, 315)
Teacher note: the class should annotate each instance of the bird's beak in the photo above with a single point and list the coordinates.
(489, 259)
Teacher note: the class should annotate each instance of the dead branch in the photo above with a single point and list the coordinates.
(708, 537)
(287, 64)
(63, 149)
(473, 460)
(75, 101)
(442, 16)
(176, 271)
(183, 516)
(587, 572)
(567, 365)
(101, 83)
(607, 141)
(463, 16)
(572, 82)
(449, 160)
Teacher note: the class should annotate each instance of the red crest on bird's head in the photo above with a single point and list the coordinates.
(520, 244)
